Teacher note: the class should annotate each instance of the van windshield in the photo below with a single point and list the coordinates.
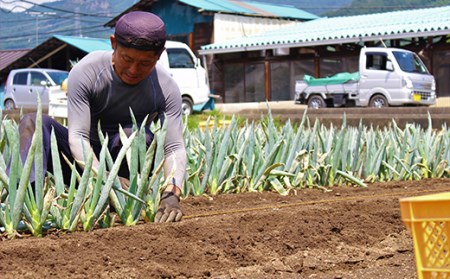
(179, 58)
(410, 62)
(58, 77)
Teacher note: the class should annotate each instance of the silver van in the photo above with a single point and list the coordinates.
(23, 85)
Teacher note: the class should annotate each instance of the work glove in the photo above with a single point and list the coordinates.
(125, 183)
(169, 208)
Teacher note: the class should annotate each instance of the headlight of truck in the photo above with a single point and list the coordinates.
(407, 82)
(433, 85)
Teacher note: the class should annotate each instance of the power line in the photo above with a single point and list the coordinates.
(57, 9)
(28, 37)
(57, 31)
(48, 17)
(95, 21)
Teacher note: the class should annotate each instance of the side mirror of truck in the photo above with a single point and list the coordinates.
(389, 66)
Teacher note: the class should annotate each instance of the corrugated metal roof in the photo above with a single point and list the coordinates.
(51, 47)
(86, 44)
(250, 8)
(336, 30)
(9, 56)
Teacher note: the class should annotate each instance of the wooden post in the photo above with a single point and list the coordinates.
(267, 79)
(316, 65)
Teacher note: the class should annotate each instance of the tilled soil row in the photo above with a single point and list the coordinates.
(343, 232)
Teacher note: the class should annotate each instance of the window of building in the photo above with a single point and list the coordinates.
(280, 81)
(255, 83)
(333, 65)
(234, 83)
(441, 72)
(300, 68)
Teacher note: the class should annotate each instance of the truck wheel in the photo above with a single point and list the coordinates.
(9, 104)
(186, 106)
(378, 101)
(316, 102)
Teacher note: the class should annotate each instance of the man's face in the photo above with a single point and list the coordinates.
(132, 65)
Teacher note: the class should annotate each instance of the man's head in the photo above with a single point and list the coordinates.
(138, 42)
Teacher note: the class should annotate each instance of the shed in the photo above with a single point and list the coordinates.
(57, 52)
(9, 56)
(265, 66)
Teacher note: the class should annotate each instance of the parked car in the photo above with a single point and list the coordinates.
(2, 93)
(23, 85)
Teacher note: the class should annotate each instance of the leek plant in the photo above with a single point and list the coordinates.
(157, 183)
(21, 198)
(98, 201)
(63, 204)
(38, 198)
(142, 196)
(15, 184)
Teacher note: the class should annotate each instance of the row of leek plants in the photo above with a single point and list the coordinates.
(265, 156)
(255, 156)
(86, 202)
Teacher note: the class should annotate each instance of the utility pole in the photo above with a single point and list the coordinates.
(77, 22)
(37, 15)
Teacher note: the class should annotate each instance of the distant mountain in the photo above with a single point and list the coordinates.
(317, 7)
(330, 8)
(359, 7)
(66, 17)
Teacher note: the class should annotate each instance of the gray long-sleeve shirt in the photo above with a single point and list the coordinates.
(96, 94)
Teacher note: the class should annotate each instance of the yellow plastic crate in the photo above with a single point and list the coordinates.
(428, 219)
(205, 124)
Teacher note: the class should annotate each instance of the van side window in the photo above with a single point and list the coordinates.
(179, 58)
(20, 78)
(36, 79)
(376, 61)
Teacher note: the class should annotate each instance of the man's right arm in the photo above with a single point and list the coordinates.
(79, 113)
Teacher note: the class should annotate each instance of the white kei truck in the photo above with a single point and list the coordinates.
(182, 65)
(386, 77)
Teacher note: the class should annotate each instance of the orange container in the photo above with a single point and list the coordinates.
(428, 219)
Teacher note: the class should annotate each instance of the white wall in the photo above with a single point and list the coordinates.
(229, 27)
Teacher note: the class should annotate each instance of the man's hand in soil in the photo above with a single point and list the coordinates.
(125, 183)
(169, 207)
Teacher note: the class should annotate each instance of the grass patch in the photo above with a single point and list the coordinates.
(193, 121)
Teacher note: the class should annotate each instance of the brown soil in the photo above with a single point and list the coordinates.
(343, 233)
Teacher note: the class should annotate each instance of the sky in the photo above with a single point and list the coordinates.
(20, 6)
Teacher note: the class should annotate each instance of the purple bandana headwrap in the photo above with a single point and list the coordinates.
(141, 30)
